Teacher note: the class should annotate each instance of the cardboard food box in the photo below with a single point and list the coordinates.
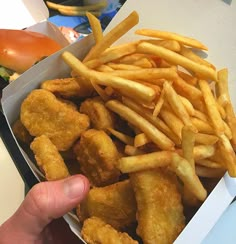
(211, 22)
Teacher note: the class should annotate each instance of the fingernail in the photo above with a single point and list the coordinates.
(75, 186)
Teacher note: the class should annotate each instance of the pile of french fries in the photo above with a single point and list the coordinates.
(175, 100)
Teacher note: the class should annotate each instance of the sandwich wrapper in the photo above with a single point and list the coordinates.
(211, 22)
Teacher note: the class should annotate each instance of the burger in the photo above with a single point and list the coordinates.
(21, 49)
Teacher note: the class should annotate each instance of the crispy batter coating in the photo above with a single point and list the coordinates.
(100, 117)
(98, 156)
(49, 159)
(65, 87)
(96, 231)
(160, 211)
(42, 114)
(114, 204)
(21, 132)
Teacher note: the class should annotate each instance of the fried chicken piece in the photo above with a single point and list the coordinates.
(100, 117)
(42, 114)
(114, 204)
(21, 132)
(64, 87)
(96, 231)
(49, 159)
(98, 156)
(160, 212)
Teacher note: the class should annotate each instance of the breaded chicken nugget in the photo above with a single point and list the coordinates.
(114, 204)
(65, 87)
(42, 114)
(49, 159)
(21, 132)
(160, 211)
(100, 117)
(98, 157)
(96, 231)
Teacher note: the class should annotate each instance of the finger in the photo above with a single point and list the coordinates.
(47, 201)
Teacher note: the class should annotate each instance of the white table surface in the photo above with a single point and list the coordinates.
(11, 185)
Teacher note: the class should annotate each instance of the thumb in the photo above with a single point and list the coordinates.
(47, 201)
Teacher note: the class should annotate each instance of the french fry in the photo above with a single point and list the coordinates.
(187, 174)
(177, 105)
(113, 35)
(192, 80)
(95, 26)
(188, 53)
(132, 151)
(138, 90)
(159, 104)
(140, 140)
(212, 109)
(74, 12)
(160, 139)
(121, 136)
(209, 172)
(177, 59)
(188, 105)
(203, 151)
(171, 36)
(228, 155)
(169, 44)
(188, 141)
(149, 75)
(203, 126)
(205, 139)
(116, 66)
(200, 115)
(209, 163)
(156, 121)
(144, 161)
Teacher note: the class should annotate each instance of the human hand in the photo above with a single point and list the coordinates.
(38, 219)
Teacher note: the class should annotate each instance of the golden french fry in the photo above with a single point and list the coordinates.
(173, 122)
(121, 136)
(187, 174)
(95, 26)
(100, 91)
(104, 68)
(149, 75)
(203, 151)
(112, 54)
(200, 115)
(132, 88)
(159, 104)
(228, 154)
(177, 59)
(192, 80)
(132, 151)
(145, 63)
(188, 53)
(203, 126)
(113, 35)
(188, 105)
(206, 139)
(206, 172)
(140, 140)
(156, 121)
(169, 44)
(118, 66)
(74, 12)
(209, 163)
(160, 139)
(171, 36)
(99, 5)
(211, 106)
(144, 161)
(188, 141)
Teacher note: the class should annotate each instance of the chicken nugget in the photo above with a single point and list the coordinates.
(96, 231)
(115, 204)
(42, 114)
(98, 157)
(160, 212)
(65, 87)
(21, 132)
(49, 159)
(100, 117)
